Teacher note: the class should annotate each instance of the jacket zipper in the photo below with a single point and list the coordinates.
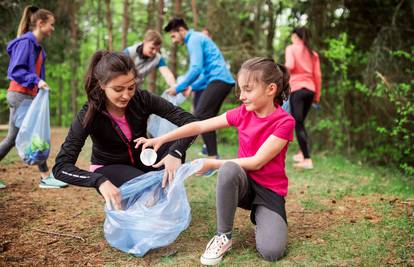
(125, 140)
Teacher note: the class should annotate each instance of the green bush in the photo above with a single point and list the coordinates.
(374, 122)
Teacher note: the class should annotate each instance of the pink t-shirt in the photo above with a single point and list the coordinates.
(123, 124)
(253, 132)
(305, 71)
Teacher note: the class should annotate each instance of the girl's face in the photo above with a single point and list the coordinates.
(150, 49)
(46, 27)
(254, 95)
(119, 91)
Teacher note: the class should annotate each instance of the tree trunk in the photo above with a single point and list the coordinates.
(74, 57)
(271, 28)
(160, 19)
(109, 23)
(195, 14)
(258, 24)
(125, 25)
(60, 105)
(173, 55)
(98, 39)
(150, 14)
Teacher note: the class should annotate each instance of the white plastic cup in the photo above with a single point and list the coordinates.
(148, 157)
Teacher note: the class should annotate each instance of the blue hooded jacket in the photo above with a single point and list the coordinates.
(23, 52)
(205, 60)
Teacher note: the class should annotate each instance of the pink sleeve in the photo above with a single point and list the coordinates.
(232, 116)
(284, 129)
(317, 79)
(289, 58)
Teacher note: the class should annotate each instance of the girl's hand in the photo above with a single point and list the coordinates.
(187, 92)
(155, 143)
(209, 164)
(111, 194)
(171, 91)
(42, 85)
(171, 164)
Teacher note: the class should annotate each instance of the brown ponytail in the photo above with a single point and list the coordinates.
(104, 67)
(31, 14)
(267, 71)
(304, 34)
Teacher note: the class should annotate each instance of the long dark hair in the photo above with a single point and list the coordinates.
(267, 71)
(104, 67)
(31, 14)
(304, 34)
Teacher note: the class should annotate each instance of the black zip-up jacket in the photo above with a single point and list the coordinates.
(109, 146)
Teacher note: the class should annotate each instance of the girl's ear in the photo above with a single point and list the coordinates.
(272, 89)
(40, 23)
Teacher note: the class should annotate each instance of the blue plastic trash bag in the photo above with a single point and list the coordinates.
(21, 112)
(158, 126)
(33, 139)
(286, 105)
(150, 217)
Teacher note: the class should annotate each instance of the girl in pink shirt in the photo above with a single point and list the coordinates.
(305, 83)
(256, 180)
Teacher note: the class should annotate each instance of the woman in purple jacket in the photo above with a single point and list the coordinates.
(26, 73)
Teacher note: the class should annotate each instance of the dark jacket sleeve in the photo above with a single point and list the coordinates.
(161, 107)
(65, 169)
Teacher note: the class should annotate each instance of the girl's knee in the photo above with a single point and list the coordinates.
(272, 254)
(228, 172)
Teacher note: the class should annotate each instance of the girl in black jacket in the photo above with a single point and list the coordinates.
(116, 113)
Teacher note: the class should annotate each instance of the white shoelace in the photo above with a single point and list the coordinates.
(217, 243)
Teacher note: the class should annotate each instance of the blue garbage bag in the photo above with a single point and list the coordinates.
(21, 112)
(151, 217)
(33, 139)
(158, 126)
(286, 105)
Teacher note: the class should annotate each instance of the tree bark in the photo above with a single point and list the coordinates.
(195, 13)
(109, 23)
(174, 48)
(160, 19)
(125, 24)
(271, 28)
(150, 14)
(60, 102)
(258, 24)
(74, 56)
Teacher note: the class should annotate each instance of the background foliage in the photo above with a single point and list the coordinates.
(366, 49)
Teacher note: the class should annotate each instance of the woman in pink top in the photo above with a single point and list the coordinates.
(305, 83)
(256, 179)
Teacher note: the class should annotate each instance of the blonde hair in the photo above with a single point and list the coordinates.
(153, 37)
(31, 14)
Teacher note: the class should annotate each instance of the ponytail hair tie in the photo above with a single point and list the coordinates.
(33, 9)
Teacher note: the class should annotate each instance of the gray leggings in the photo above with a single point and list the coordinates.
(15, 99)
(271, 228)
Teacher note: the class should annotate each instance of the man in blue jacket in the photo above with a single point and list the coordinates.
(207, 66)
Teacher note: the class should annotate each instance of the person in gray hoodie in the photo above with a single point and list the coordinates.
(146, 56)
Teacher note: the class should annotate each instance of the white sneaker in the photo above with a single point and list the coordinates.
(215, 250)
(306, 164)
(298, 157)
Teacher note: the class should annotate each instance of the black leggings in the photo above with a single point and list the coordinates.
(300, 103)
(118, 174)
(208, 106)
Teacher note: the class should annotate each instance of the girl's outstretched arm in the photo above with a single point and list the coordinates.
(191, 129)
(267, 151)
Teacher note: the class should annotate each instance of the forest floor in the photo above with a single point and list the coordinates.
(339, 214)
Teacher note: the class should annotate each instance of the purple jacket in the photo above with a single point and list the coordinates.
(23, 52)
